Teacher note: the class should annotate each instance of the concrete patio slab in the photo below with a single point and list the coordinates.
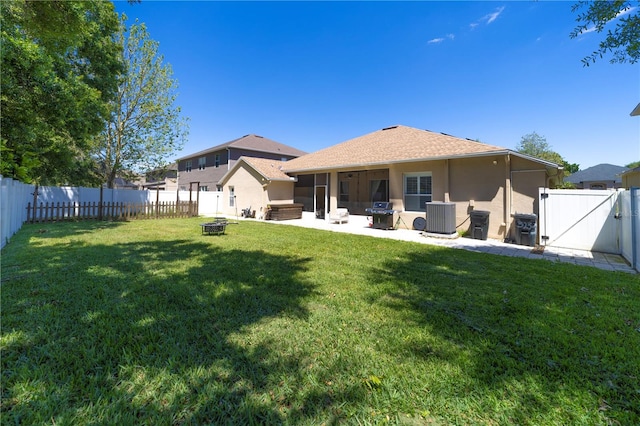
(360, 225)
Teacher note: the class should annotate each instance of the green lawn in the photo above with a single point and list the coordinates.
(151, 322)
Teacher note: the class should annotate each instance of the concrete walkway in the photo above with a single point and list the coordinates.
(360, 225)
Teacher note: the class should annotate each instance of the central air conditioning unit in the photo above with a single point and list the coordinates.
(441, 217)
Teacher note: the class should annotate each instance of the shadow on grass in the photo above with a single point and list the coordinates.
(151, 332)
(534, 332)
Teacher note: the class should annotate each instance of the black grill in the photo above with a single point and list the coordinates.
(382, 214)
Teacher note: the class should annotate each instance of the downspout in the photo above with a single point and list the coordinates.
(508, 195)
(447, 198)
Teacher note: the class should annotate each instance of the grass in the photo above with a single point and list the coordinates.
(150, 322)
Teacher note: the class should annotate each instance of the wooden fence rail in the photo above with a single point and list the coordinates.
(51, 212)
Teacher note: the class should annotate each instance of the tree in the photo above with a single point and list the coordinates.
(145, 127)
(537, 146)
(633, 165)
(624, 41)
(59, 64)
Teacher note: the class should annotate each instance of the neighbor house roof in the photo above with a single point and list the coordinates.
(629, 171)
(636, 110)
(599, 172)
(270, 170)
(393, 145)
(252, 143)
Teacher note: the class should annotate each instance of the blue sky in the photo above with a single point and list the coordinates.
(314, 74)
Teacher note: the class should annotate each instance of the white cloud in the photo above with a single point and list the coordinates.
(441, 39)
(492, 16)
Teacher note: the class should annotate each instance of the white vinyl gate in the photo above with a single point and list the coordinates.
(580, 219)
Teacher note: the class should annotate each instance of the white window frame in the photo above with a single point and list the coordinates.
(423, 197)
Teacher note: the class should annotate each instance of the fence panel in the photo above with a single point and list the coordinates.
(53, 212)
(14, 196)
(580, 219)
(629, 209)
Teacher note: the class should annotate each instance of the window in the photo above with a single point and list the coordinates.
(417, 191)
(202, 162)
(203, 188)
(187, 166)
(232, 196)
(217, 160)
(219, 188)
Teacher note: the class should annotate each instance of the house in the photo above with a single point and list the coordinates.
(164, 179)
(408, 167)
(631, 178)
(206, 168)
(601, 176)
(254, 183)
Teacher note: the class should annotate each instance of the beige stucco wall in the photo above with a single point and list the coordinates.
(631, 179)
(253, 190)
(502, 185)
(247, 189)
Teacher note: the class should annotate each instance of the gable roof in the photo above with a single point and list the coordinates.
(396, 144)
(252, 143)
(270, 170)
(636, 111)
(599, 172)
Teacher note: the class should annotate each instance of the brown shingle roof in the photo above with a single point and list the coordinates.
(270, 169)
(252, 143)
(390, 145)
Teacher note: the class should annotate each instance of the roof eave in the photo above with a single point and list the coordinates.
(414, 160)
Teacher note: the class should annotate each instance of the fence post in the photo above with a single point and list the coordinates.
(100, 204)
(35, 201)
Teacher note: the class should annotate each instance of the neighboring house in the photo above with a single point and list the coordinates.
(631, 178)
(636, 111)
(121, 183)
(601, 176)
(408, 167)
(207, 167)
(164, 179)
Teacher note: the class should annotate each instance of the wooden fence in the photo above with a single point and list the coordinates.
(52, 212)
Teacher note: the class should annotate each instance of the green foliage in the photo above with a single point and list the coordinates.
(59, 68)
(145, 127)
(570, 168)
(537, 146)
(633, 165)
(623, 43)
(150, 322)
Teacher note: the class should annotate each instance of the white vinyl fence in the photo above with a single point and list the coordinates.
(15, 196)
(629, 211)
(606, 221)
